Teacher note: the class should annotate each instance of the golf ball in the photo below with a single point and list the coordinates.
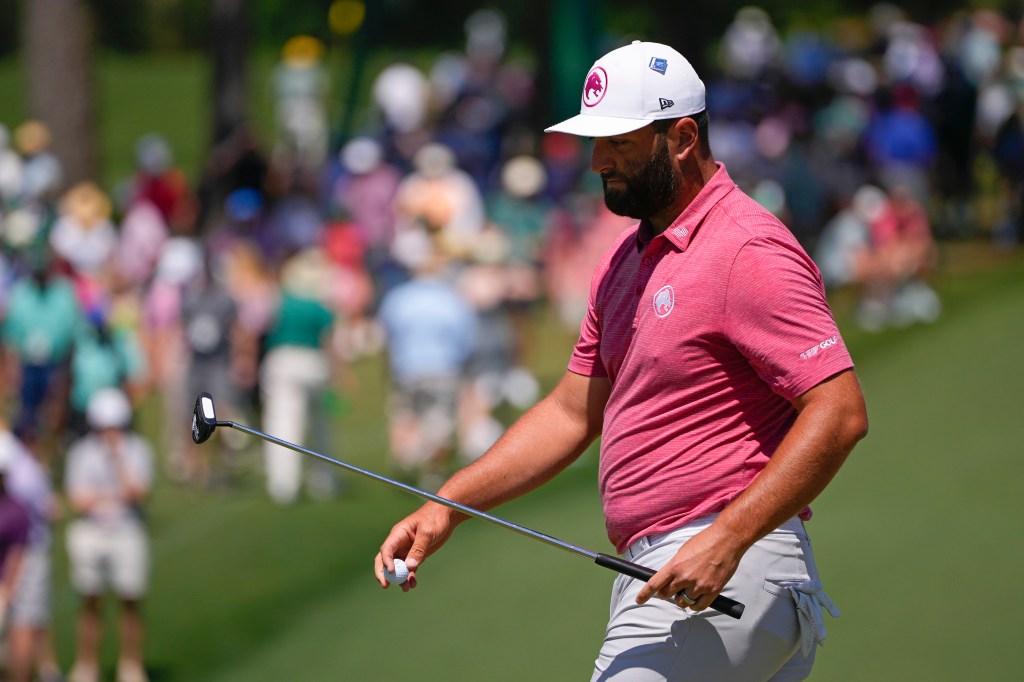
(400, 575)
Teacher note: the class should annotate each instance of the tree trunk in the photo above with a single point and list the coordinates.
(59, 61)
(229, 41)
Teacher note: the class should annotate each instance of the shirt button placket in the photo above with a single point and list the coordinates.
(645, 264)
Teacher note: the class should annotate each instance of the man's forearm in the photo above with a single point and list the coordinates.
(545, 440)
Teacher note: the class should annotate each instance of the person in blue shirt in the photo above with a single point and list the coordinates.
(429, 333)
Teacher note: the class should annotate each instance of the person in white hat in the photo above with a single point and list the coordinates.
(107, 478)
(711, 367)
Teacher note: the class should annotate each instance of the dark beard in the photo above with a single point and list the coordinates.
(647, 190)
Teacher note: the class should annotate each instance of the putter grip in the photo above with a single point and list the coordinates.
(729, 607)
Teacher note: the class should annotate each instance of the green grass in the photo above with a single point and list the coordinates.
(927, 508)
(169, 94)
(136, 95)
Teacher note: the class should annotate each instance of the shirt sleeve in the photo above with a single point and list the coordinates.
(586, 355)
(779, 319)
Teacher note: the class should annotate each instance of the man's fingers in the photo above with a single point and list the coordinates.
(684, 595)
(685, 599)
(378, 569)
(397, 540)
(417, 553)
(703, 601)
(655, 587)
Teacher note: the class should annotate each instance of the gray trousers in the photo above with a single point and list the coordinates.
(775, 639)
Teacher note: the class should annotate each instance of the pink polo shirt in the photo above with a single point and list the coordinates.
(706, 334)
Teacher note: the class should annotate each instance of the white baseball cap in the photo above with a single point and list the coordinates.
(629, 87)
(109, 408)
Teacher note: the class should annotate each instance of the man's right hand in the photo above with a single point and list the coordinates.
(413, 539)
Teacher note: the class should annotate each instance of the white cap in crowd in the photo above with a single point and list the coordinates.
(629, 87)
(109, 408)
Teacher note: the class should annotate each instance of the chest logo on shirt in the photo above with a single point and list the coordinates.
(664, 301)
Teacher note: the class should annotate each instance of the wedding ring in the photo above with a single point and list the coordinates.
(685, 598)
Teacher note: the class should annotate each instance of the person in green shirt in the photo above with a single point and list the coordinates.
(295, 370)
(38, 331)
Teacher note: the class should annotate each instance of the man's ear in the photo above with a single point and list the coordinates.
(685, 136)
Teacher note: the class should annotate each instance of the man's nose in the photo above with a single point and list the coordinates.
(600, 160)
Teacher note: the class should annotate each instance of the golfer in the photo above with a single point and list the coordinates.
(711, 367)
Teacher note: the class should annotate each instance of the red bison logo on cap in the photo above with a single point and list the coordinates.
(596, 86)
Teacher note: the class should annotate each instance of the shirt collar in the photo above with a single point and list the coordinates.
(682, 229)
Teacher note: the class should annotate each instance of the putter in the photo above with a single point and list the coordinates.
(205, 422)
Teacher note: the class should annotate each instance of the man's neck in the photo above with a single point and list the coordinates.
(695, 177)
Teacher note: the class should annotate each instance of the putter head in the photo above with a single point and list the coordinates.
(204, 418)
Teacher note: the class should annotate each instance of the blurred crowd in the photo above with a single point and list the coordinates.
(430, 237)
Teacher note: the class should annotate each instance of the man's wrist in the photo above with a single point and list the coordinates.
(450, 516)
(738, 534)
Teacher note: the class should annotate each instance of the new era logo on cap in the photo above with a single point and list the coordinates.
(665, 103)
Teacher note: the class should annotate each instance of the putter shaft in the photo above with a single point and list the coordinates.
(725, 605)
(451, 504)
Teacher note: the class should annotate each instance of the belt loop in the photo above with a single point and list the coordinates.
(639, 546)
